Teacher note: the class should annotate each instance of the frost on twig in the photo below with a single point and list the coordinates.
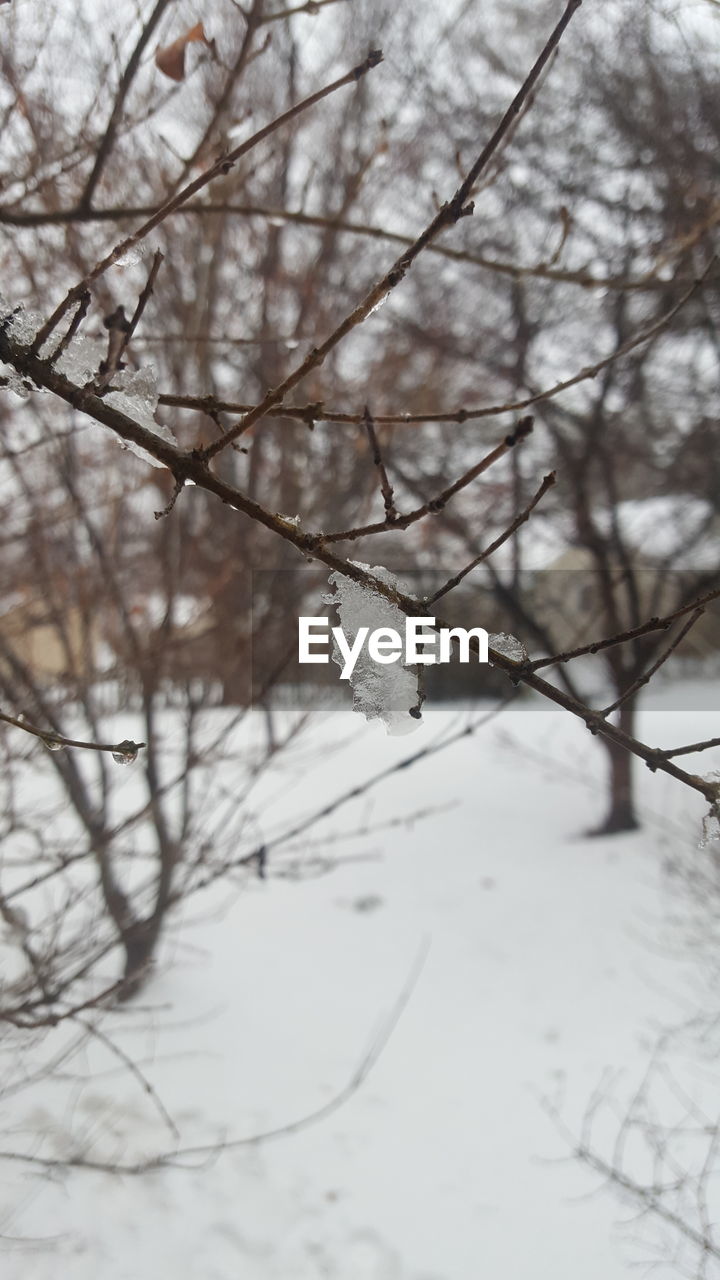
(388, 692)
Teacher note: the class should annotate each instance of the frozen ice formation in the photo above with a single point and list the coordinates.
(509, 646)
(710, 827)
(134, 253)
(22, 326)
(388, 693)
(711, 821)
(79, 361)
(136, 395)
(127, 752)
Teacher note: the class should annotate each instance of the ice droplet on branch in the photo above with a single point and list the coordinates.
(127, 752)
(133, 254)
(380, 302)
(380, 692)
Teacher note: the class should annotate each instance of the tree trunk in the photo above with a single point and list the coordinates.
(621, 810)
(139, 942)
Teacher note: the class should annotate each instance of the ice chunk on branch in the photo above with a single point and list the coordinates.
(711, 821)
(137, 396)
(509, 646)
(389, 692)
(134, 392)
(79, 361)
(22, 326)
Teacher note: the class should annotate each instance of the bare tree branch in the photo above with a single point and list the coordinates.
(221, 166)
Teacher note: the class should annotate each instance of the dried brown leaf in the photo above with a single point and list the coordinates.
(171, 59)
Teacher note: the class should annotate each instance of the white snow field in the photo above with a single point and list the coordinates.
(541, 961)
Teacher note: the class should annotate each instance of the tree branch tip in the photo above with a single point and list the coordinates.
(180, 479)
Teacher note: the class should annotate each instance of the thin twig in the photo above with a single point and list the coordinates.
(622, 637)
(221, 166)
(386, 489)
(435, 505)
(647, 282)
(204, 1152)
(107, 141)
(122, 330)
(690, 749)
(648, 1198)
(143, 299)
(80, 313)
(644, 679)
(548, 482)
(311, 7)
(318, 413)
(134, 1070)
(304, 824)
(57, 739)
(460, 206)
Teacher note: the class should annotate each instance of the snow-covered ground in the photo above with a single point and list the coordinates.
(538, 961)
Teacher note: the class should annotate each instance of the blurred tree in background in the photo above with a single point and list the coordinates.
(569, 290)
